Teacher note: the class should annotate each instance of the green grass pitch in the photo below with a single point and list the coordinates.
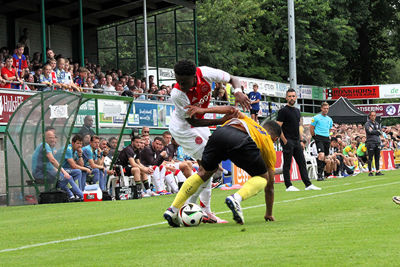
(351, 221)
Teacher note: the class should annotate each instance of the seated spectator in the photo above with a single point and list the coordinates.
(73, 162)
(87, 126)
(9, 74)
(129, 159)
(94, 160)
(108, 87)
(51, 166)
(29, 79)
(153, 156)
(113, 143)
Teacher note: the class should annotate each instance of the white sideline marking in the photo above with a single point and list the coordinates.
(155, 224)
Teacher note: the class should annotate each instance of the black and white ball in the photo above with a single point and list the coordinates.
(191, 215)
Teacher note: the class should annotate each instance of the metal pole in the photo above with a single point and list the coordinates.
(196, 45)
(292, 46)
(82, 47)
(43, 28)
(146, 48)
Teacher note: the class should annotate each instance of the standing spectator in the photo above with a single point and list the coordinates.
(19, 62)
(319, 129)
(87, 126)
(289, 120)
(24, 39)
(50, 54)
(255, 98)
(9, 73)
(373, 131)
(81, 78)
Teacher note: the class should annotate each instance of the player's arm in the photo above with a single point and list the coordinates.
(93, 165)
(283, 138)
(240, 98)
(74, 165)
(55, 163)
(269, 195)
(193, 110)
(312, 127)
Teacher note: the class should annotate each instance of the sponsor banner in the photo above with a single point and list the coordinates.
(9, 102)
(382, 110)
(389, 91)
(240, 176)
(353, 92)
(305, 91)
(397, 156)
(264, 108)
(264, 87)
(317, 93)
(387, 160)
(281, 89)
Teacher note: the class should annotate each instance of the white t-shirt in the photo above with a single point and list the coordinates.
(108, 90)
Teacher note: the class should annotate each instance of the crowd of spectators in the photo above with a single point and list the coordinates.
(348, 153)
(19, 71)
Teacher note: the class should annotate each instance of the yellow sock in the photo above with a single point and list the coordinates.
(252, 187)
(188, 188)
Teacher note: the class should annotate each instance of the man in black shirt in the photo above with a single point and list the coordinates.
(87, 126)
(373, 143)
(289, 120)
(129, 159)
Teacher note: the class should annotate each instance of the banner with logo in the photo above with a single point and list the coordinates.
(389, 91)
(240, 176)
(9, 102)
(382, 110)
(353, 92)
(305, 91)
(317, 93)
(387, 160)
(264, 87)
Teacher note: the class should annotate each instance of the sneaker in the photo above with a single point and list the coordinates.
(215, 185)
(379, 174)
(172, 218)
(292, 189)
(320, 178)
(209, 217)
(151, 193)
(312, 187)
(144, 195)
(396, 200)
(331, 176)
(234, 206)
(344, 174)
(163, 192)
(370, 174)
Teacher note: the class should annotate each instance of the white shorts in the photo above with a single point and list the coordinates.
(192, 140)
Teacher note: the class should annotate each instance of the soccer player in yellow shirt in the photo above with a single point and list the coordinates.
(250, 147)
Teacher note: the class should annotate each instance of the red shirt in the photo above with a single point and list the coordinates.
(199, 95)
(9, 73)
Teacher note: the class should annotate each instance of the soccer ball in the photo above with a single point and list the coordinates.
(190, 215)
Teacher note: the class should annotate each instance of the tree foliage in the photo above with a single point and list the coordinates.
(337, 41)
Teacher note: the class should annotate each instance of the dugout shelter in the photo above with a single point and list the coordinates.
(343, 111)
(65, 112)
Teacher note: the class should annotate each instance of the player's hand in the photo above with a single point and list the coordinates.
(243, 100)
(88, 171)
(149, 170)
(163, 154)
(193, 110)
(269, 218)
(66, 175)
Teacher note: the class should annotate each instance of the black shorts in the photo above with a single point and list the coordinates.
(323, 143)
(254, 111)
(230, 143)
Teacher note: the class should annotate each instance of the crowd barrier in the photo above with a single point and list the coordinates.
(387, 162)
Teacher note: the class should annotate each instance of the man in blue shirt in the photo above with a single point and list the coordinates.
(320, 127)
(255, 98)
(73, 160)
(50, 165)
(93, 158)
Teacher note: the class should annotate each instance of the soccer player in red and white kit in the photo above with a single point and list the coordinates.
(193, 87)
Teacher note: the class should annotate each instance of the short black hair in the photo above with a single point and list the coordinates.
(333, 139)
(273, 128)
(290, 90)
(133, 138)
(158, 138)
(185, 68)
(76, 138)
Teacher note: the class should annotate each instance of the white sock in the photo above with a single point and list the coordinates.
(157, 179)
(175, 210)
(179, 175)
(169, 178)
(237, 197)
(205, 196)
